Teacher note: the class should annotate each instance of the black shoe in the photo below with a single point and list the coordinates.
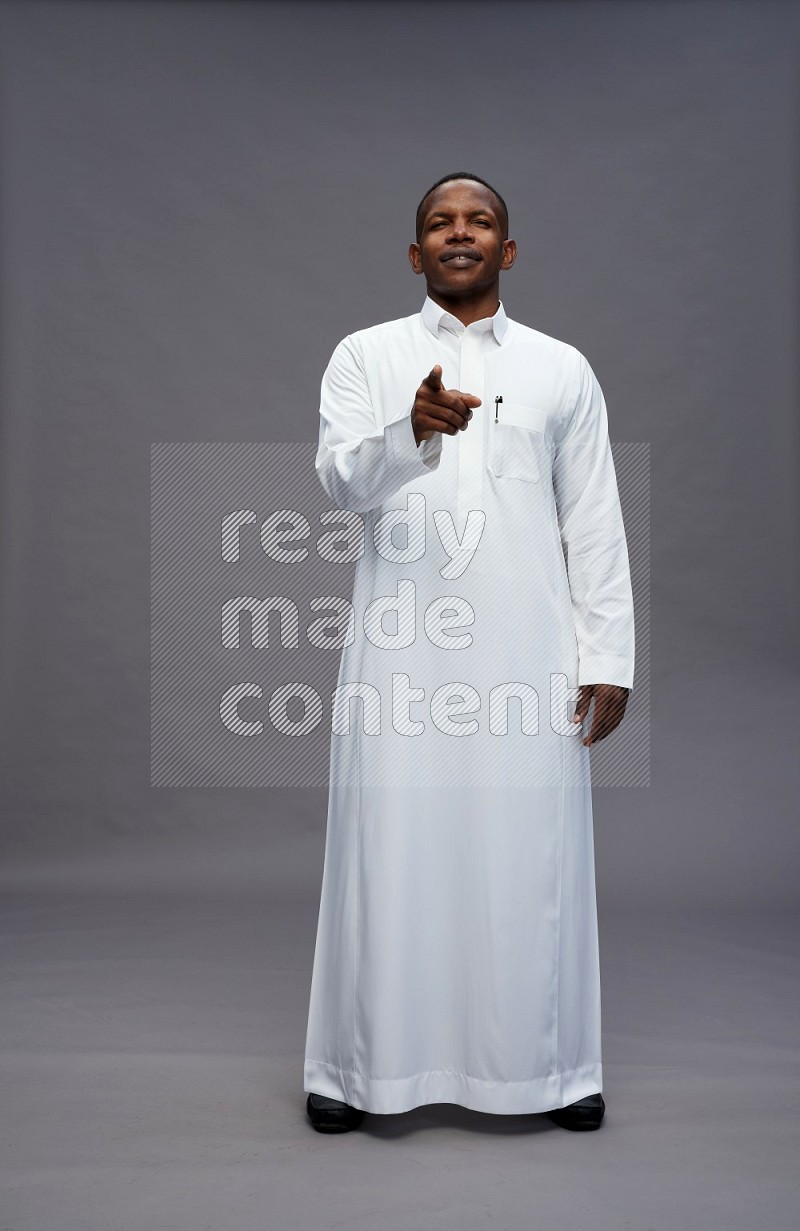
(585, 1114)
(328, 1115)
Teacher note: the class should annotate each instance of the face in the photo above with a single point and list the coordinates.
(461, 250)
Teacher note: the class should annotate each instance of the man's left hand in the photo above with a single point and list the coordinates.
(609, 706)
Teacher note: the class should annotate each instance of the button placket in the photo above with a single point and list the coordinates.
(470, 448)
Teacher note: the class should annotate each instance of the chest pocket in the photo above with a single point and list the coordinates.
(517, 442)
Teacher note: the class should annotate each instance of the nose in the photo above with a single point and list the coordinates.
(461, 231)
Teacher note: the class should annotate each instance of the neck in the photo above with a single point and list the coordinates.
(467, 311)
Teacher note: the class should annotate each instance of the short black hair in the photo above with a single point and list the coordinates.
(463, 175)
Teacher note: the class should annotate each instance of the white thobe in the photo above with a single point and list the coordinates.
(457, 953)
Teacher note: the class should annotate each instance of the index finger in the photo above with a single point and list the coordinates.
(434, 379)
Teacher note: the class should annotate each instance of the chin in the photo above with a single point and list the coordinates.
(459, 289)
(454, 285)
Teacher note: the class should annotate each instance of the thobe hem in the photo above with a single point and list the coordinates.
(390, 1096)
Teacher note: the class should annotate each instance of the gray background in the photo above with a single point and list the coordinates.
(198, 202)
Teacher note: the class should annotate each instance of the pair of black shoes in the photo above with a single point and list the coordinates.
(328, 1115)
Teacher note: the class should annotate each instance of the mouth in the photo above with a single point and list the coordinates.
(460, 257)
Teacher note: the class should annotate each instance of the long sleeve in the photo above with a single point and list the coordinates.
(593, 538)
(359, 464)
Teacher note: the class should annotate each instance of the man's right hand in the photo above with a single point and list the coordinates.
(437, 409)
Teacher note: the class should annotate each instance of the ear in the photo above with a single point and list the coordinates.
(509, 253)
(415, 257)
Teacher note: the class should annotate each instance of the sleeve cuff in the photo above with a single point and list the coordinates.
(605, 669)
(430, 450)
(419, 459)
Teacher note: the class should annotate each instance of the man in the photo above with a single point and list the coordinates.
(457, 953)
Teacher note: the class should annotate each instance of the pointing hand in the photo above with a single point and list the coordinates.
(437, 409)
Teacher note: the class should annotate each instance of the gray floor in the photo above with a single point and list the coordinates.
(152, 1064)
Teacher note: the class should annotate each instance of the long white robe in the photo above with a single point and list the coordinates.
(457, 953)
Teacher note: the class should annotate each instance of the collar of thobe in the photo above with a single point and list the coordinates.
(435, 318)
